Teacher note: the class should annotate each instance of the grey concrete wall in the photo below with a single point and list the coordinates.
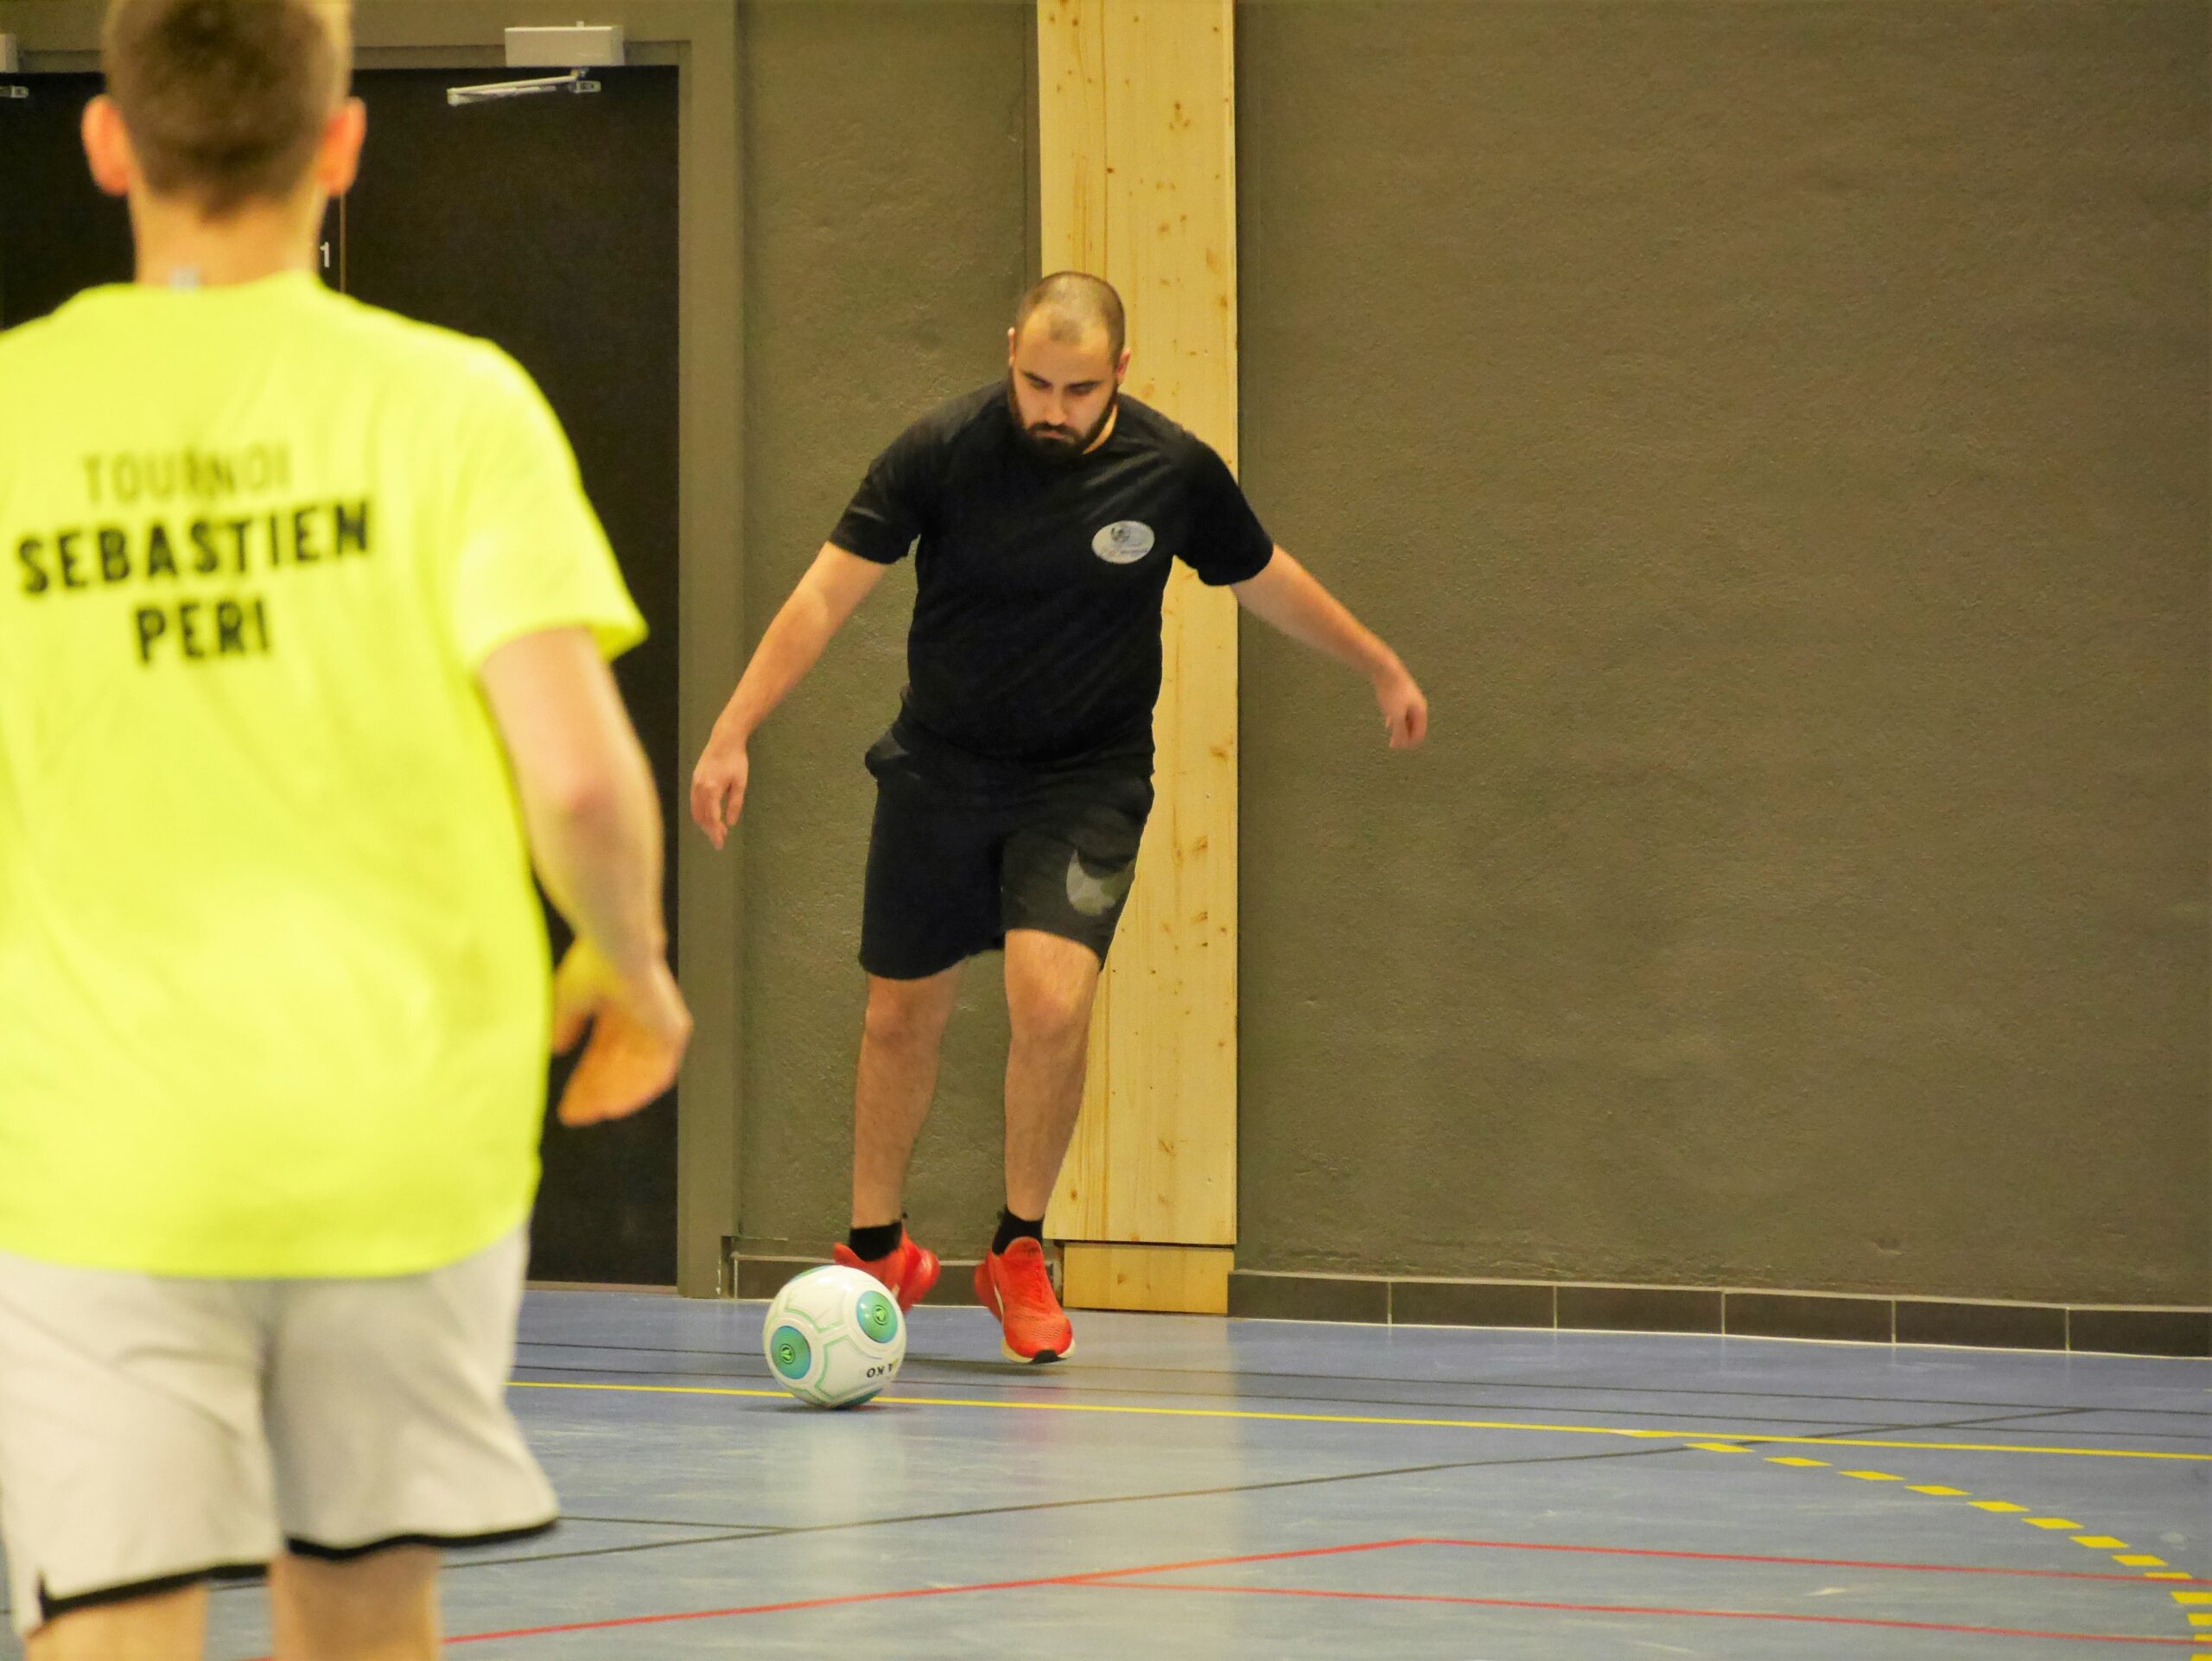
(1778, 435)
(886, 217)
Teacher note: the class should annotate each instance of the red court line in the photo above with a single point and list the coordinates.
(1631, 1609)
(1110, 1577)
(762, 1609)
(1801, 1562)
(924, 1592)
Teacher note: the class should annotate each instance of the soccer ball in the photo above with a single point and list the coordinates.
(834, 1337)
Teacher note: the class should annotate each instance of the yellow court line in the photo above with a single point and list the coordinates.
(2102, 1541)
(1752, 1437)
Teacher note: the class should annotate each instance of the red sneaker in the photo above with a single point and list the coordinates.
(908, 1272)
(1014, 1285)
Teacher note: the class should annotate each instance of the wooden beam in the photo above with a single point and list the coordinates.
(1137, 121)
(1194, 1280)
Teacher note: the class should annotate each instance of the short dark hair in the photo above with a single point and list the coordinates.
(1074, 303)
(225, 100)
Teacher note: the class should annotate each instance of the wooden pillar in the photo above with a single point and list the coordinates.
(1136, 134)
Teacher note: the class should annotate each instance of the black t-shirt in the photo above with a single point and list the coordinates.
(1036, 632)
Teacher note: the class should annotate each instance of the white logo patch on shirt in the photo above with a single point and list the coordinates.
(1123, 543)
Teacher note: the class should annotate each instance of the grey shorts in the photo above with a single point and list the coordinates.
(155, 1431)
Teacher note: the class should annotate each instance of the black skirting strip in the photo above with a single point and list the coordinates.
(1736, 1312)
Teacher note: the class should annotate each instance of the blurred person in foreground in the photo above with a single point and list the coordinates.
(302, 665)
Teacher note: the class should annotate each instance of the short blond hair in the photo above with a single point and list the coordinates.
(225, 100)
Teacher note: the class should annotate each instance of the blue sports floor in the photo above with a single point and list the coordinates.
(1196, 1487)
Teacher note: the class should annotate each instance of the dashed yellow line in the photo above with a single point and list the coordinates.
(2200, 1603)
(1724, 1442)
(1727, 1441)
(1748, 1438)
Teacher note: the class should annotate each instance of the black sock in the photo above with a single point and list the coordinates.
(869, 1244)
(1012, 1228)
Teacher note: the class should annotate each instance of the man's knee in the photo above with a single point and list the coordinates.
(383, 1605)
(1050, 1002)
(160, 1627)
(907, 1016)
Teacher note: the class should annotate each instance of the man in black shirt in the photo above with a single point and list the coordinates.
(1014, 786)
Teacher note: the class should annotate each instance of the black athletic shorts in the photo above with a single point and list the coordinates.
(965, 849)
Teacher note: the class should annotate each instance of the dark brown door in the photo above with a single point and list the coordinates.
(58, 234)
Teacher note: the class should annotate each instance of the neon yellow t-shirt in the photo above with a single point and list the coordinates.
(273, 977)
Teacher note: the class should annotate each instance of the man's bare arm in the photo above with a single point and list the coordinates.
(593, 818)
(826, 597)
(588, 795)
(1290, 599)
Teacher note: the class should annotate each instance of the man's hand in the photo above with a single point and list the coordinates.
(825, 597)
(1405, 710)
(639, 1028)
(1286, 596)
(718, 788)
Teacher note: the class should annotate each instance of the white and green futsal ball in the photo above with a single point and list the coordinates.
(834, 1336)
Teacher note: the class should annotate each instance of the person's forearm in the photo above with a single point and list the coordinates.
(1288, 598)
(597, 852)
(794, 644)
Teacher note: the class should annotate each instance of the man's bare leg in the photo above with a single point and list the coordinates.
(380, 1607)
(165, 1627)
(1051, 984)
(900, 1046)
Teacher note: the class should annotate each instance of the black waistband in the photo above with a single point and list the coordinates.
(1124, 754)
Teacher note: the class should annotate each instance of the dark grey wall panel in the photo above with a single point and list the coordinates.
(1778, 433)
(888, 238)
